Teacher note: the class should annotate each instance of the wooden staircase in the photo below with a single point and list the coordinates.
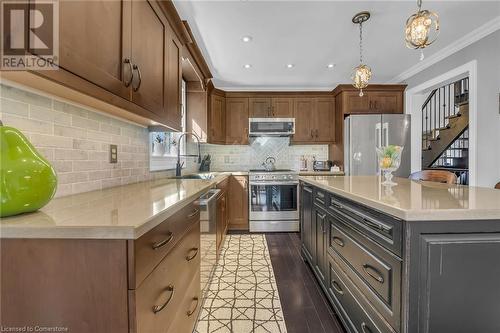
(442, 138)
(445, 123)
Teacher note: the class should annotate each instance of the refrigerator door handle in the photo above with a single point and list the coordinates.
(378, 142)
(385, 134)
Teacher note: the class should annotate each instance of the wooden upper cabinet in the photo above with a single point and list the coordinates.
(94, 38)
(379, 98)
(303, 109)
(324, 120)
(314, 120)
(173, 85)
(355, 103)
(236, 121)
(384, 102)
(217, 119)
(149, 33)
(259, 107)
(282, 107)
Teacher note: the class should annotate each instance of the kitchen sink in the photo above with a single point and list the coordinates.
(205, 176)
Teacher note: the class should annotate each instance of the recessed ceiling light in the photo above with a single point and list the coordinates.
(290, 66)
(246, 39)
(247, 66)
(330, 66)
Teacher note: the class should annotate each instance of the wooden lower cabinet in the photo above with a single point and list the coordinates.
(159, 298)
(105, 285)
(222, 214)
(238, 203)
(189, 308)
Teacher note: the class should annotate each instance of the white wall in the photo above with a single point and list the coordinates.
(487, 54)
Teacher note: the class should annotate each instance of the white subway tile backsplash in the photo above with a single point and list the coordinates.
(85, 123)
(41, 140)
(17, 108)
(28, 125)
(229, 158)
(76, 141)
(49, 115)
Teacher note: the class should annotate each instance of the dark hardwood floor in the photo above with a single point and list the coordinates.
(305, 306)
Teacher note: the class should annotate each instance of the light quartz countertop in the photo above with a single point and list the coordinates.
(415, 200)
(123, 212)
(321, 173)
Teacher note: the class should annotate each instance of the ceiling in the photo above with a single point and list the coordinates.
(312, 34)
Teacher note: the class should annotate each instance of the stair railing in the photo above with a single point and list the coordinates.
(442, 103)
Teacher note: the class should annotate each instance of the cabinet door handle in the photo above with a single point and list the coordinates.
(193, 213)
(131, 70)
(339, 241)
(312, 136)
(370, 105)
(188, 257)
(365, 328)
(373, 273)
(376, 107)
(190, 312)
(158, 308)
(337, 287)
(135, 67)
(317, 135)
(164, 242)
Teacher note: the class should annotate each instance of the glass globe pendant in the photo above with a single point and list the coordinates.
(362, 73)
(422, 29)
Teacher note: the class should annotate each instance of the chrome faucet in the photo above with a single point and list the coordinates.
(178, 167)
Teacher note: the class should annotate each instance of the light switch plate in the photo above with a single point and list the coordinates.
(113, 154)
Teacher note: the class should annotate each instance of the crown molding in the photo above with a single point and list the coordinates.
(473, 36)
(273, 88)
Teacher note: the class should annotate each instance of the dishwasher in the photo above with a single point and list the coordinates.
(208, 241)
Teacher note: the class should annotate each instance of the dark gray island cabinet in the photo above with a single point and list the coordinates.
(384, 269)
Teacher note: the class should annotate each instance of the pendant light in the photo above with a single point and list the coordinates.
(422, 29)
(362, 73)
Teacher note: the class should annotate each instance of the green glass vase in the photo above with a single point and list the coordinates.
(27, 180)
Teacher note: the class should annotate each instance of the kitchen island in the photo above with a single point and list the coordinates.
(123, 259)
(416, 257)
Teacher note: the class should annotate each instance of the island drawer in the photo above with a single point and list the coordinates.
(189, 308)
(384, 229)
(321, 197)
(351, 304)
(152, 247)
(374, 270)
(156, 302)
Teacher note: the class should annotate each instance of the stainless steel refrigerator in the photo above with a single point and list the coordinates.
(362, 133)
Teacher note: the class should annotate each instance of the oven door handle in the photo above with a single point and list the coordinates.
(274, 183)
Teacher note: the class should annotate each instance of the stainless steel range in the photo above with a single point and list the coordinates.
(274, 201)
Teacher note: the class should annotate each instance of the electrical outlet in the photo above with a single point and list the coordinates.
(113, 154)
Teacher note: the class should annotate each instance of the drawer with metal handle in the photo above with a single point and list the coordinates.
(320, 197)
(373, 269)
(152, 247)
(383, 229)
(187, 314)
(355, 312)
(157, 300)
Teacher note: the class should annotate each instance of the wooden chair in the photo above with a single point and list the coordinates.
(440, 176)
(497, 186)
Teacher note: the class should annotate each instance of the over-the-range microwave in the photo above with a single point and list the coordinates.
(271, 126)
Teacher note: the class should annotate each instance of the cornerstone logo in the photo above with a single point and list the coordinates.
(29, 35)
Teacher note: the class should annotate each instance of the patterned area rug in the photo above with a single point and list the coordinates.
(243, 296)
